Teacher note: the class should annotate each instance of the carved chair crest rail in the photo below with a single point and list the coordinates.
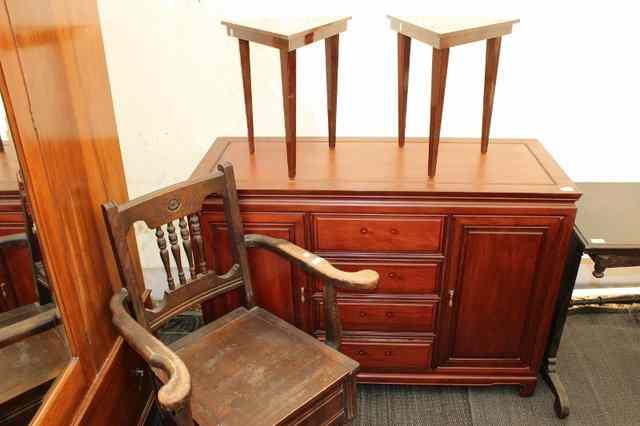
(238, 341)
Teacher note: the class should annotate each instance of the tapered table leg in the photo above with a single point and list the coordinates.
(549, 365)
(404, 54)
(438, 82)
(246, 85)
(288, 71)
(490, 75)
(331, 47)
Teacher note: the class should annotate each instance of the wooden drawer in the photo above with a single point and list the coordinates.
(393, 356)
(379, 233)
(396, 278)
(386, 316)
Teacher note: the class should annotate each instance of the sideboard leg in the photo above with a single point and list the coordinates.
(288, 71)
(246, 86)
(490, 76)
(331, 47)
(404, 58)
(527, 390)
(438, 82)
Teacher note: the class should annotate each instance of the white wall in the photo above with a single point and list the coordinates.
(568, 76)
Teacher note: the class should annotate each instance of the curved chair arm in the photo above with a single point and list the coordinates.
(174, 395)
(364, 280)
(14, 240)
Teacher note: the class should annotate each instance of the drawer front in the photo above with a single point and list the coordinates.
(389, 356)
(404, 317)
(379, 233)
(396, 278)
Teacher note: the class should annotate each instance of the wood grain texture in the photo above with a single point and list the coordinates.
(516, 168)
(288, 76)
(439, 65)
(59, 107)
(404, 59)
(516, 206)
(287, 33)
(447, 31)
(245, 64)
(490, 76)
(332, 45)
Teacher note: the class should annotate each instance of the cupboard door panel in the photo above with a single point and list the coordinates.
(17, 286)
(277, 284)
(494, 306)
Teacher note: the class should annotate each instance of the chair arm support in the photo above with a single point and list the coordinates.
(174, 394)
(14, 240)
(364, 280)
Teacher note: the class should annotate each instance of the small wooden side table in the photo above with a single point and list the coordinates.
(443, 33)
(287, 35)
(607, 228)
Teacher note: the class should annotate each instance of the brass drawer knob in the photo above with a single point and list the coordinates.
(392, 275)
(364, 231)
(394, 231)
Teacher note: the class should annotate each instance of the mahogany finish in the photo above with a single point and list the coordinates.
(490, 76)
(287, 35)
(17, 285)
(287, 367)
(488, 228)
(56, 93)
(443, 33)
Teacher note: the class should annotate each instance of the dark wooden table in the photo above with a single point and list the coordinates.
(607, 228)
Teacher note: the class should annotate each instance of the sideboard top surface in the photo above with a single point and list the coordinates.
(512, 167)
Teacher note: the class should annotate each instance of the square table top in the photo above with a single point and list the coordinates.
(286, 33)
(446, 31)
(609, 215)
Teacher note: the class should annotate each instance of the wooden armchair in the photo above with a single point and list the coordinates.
(248, 367)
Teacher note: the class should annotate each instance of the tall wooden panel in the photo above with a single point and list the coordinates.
(58, 101)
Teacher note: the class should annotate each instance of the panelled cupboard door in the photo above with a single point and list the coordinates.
(278, 285)
(497, 292)
(17, 286)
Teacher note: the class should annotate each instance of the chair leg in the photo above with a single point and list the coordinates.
(331, 47)
(490, 75)
(404, 55)
(288, 71)
(438, 82)
(246, 85)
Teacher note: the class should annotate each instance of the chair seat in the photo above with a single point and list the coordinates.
(252, 368)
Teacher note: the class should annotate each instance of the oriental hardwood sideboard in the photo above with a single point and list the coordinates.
(470, 261)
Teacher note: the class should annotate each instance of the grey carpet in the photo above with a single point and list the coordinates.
(599, 363)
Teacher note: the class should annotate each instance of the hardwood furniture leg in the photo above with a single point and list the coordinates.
(490, 75)
(404, 55)
(549, 365)
(288, 71)
(246, 86)
(527, 390)
(438, 81)
(331, 47)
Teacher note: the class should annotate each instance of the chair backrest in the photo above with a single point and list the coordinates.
(194, 282)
